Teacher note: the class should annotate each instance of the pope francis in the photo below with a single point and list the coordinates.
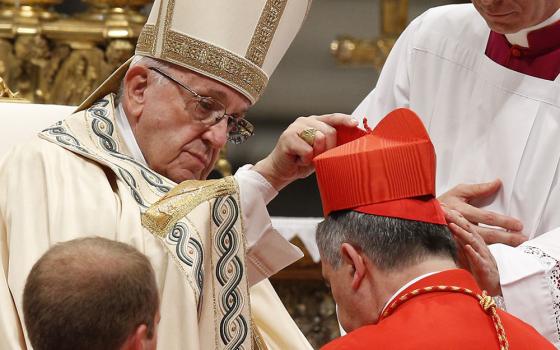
(130, 165)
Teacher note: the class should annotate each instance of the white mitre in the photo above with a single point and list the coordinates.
(238, 43)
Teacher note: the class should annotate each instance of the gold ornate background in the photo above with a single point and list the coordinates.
(49, 57)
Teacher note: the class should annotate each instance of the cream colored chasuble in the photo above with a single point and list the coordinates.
(192, 233)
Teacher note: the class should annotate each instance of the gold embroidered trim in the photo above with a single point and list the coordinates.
(222, 64)
(181, 200)
(167, 20)
(147, 39)
(213, 280)
(236, 71)
(264, 32)
(486, 303)
(146, 43)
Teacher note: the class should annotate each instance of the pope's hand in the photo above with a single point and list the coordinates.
(459, 198)
(292, 158)
(473, 253)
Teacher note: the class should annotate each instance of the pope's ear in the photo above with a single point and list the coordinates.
(354, 260)
(135, 84)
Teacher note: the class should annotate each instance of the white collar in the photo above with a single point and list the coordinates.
(408, 284)
(520, 38)
(128, 136)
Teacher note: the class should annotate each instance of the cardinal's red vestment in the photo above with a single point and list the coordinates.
(441, 320)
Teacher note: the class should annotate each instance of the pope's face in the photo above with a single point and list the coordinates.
(172, 141)
(511, 16)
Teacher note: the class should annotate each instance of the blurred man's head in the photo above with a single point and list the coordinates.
(91, 294)
(365, 257)
(511, 16)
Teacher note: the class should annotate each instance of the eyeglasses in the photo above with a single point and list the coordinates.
(209, 112)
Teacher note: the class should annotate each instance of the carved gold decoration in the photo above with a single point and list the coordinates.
(32, 3)
(6, 95)
(312, 307)
(222, 165)
(350, 51)
(116, 10)
(28, 12)
(56, 59)
(5, 92)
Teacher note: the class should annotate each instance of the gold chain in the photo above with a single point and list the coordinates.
(486, 303)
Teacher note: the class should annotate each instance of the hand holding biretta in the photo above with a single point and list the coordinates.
(389, 171)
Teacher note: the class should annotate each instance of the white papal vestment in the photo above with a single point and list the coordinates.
(208, 241)
(486, 122)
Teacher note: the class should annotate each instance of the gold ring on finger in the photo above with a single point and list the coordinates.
(308, 135)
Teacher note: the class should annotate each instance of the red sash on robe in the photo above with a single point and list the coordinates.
(442, 321)
(541, 59)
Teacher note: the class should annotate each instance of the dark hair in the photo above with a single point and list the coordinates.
(390, 243)
(89, 294)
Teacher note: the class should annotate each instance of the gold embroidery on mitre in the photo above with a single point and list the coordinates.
(147, 39)
(181, 200)
(239, 72)
(222, 64)
(159, 34)
(167, 20)
(264, 32)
